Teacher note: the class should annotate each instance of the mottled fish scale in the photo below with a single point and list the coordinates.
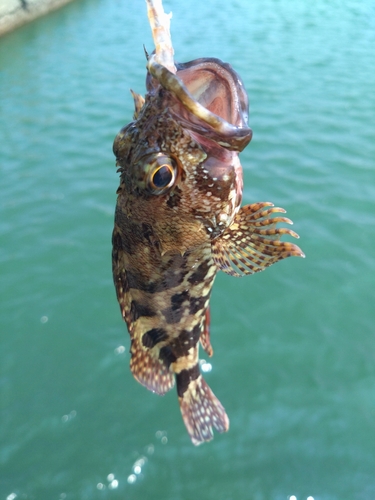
(165, 327)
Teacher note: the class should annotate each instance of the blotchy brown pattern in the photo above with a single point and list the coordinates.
(178, 221)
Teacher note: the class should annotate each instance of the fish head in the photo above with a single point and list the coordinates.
(179, 161)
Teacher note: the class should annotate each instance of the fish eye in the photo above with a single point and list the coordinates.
(162, 175)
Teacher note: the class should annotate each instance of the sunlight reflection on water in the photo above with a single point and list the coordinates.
(293, 497)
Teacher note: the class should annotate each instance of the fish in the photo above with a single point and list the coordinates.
(179, 220)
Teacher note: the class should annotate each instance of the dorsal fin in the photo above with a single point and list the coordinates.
(138, 103)
(149, 370)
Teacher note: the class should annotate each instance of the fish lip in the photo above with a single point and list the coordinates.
(208, 63)
(195, 116)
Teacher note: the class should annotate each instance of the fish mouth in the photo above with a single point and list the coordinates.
(208, 98)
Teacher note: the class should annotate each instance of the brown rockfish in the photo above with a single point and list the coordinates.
(178, 221)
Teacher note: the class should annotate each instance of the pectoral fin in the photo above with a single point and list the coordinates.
(252, 242)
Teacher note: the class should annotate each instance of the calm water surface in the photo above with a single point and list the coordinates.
(294, 360)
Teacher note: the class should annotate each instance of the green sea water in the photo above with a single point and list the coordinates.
(294, 361)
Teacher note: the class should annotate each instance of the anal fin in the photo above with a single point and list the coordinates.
(252, 242)
(205, 335)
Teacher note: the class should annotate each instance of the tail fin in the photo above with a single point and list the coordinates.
(200, 408)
